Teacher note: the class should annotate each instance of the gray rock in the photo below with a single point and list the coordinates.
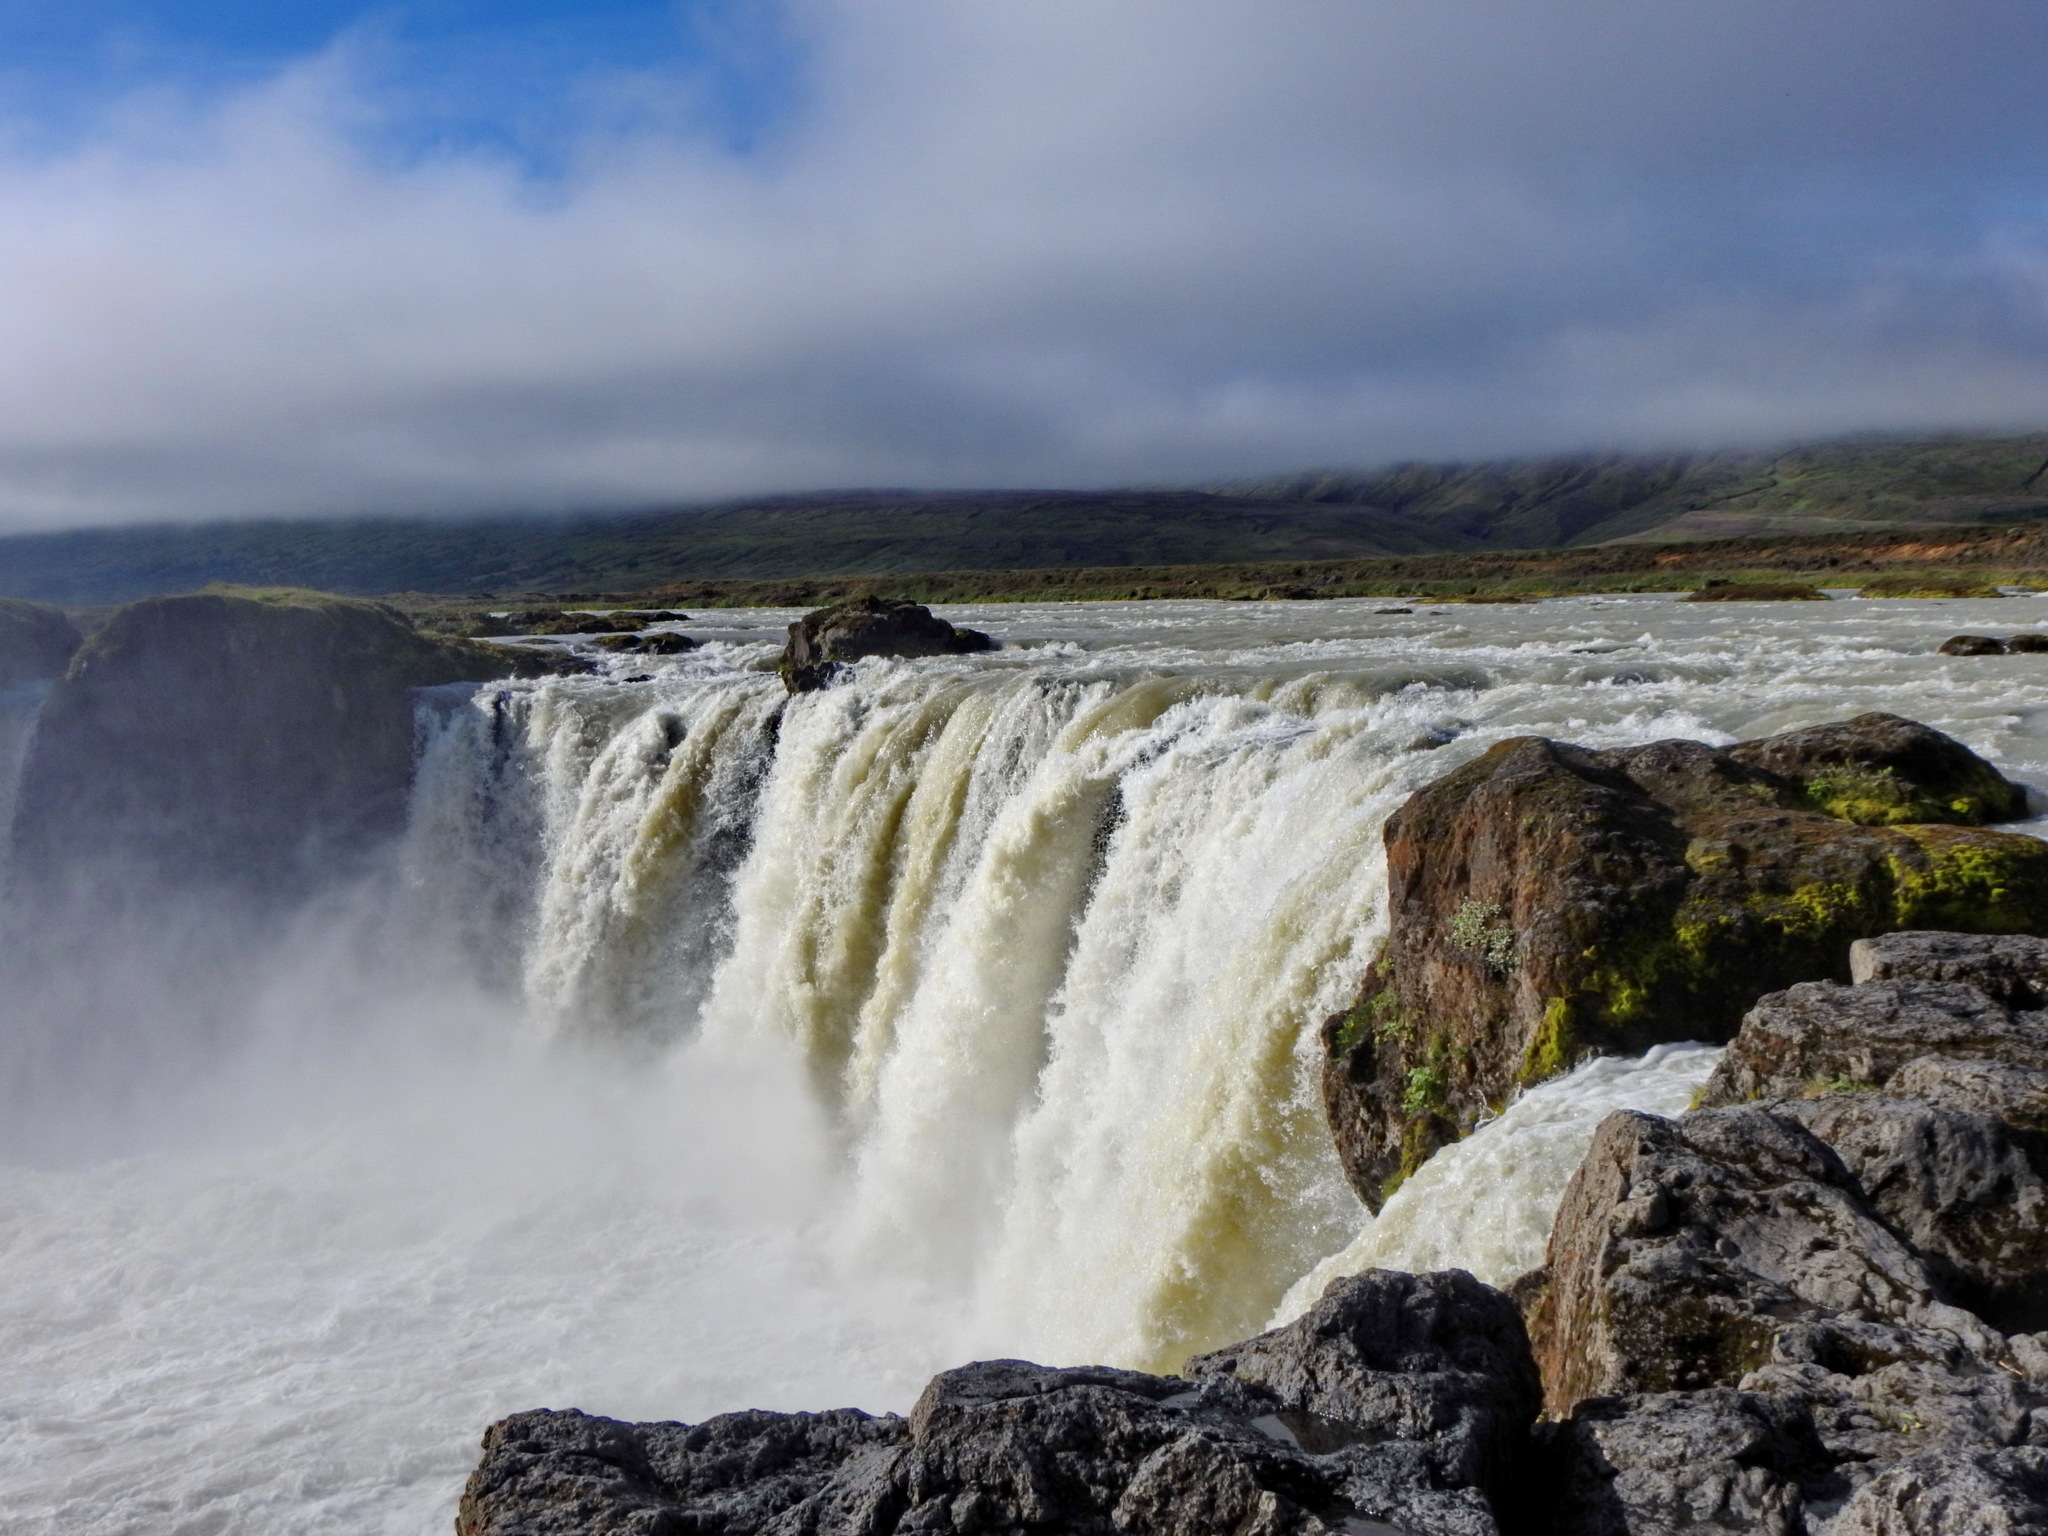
(1952, 1493)
(1961, 1187)
(1399, 1403)
(1820, 1034)
(2010, 968)
(2017, 1095)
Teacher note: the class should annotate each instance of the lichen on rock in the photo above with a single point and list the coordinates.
(1548, 902)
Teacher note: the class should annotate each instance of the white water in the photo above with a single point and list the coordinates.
(686, 1060)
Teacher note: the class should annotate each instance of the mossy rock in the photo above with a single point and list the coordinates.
(1928, 586)
(822, 642)
(1550, 902)
(1756, 592)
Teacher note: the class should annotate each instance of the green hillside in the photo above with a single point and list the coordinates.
(1600, 498)
(1407, 509)
(788, 536)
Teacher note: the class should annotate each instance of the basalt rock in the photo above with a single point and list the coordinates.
(1972, 645)
(217, 743)
(1398, 1404)
(822, 642)
(2012, 968)
(1549, 902)
(664, 643)
(1811, 1314)
(36, 642)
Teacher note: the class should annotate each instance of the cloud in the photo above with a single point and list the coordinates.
(1045, 242)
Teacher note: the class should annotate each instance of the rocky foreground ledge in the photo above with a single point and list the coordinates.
(1810, 1307)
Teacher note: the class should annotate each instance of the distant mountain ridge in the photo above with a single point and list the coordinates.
(1603, 498)
(1404, 509)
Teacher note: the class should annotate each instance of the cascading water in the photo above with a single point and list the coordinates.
(703, 1048)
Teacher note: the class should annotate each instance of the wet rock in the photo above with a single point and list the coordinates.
(664, 643)
(1821, 1034)
(1398, 1403)
(822, 642)
(218, 743)
(1972, 645)
(2027, 645)
(1548, 902)
(1756, 592)
(36, 642)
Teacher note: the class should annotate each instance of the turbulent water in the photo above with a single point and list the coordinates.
(702, 1049)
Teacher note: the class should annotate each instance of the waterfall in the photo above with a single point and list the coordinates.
(1050, 946)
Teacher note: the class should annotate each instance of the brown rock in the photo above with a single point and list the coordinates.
(1548, 902)
(822, 642)
(1972, 645)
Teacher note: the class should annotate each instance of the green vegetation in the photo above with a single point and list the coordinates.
(1928, 586)
(1931, 513)
(1480, 929)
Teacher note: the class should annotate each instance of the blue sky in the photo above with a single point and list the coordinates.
(517, 77)
(449, 257)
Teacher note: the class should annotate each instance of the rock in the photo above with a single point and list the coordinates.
(823, 641)
(1962, 1187)
(556, 621)
(1548, 902)
(1398, 1403)
(1756, 592)
(36, 642)
(1820, 1033)
(1954, 1493)
(574, 1474)
(2011, 968)
(1683, 1251)
(646, 616)
(218, 743)
(2027, 645)
(665, 643)
(1972, 645)
(2017, 1095)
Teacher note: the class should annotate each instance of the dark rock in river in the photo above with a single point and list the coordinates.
(216, 743)
(36, 642)
(1549, 902)
(664, 643)
(1397, 1404)
(821, 642)
(1972, 645)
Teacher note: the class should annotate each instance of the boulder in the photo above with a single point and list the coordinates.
(822, 642)
(218, 743)
(1548, 902)
(36, 642)
(664, 643)
(2027, 645)
(1821, 1034)
(1398, 1403)
(2010, 968)
(1972, 645)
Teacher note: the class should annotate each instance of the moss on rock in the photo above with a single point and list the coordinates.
(1549, 903)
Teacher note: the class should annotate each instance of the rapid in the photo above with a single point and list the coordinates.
(697, 1048)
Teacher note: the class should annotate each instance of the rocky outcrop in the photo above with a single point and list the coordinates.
(221, 743)
(1756, 592)
(1548, 902)
(1817, 1310)
(1991, 645)
(36, 642)
(821, 643)
(663, 643)
(1398, 1403)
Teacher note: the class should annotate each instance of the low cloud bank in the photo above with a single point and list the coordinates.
(1067, 242)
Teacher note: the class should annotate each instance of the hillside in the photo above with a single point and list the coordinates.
(1405, 510)
(865, 532)
(1600, 498)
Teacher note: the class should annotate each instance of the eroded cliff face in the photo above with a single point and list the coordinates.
(219, 744)
(1550, 902)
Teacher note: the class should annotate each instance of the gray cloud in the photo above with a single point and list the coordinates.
(1053, 241)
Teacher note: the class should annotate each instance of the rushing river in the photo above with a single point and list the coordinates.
(700, 1049)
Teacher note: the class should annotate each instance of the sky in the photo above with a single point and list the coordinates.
(306, 257)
